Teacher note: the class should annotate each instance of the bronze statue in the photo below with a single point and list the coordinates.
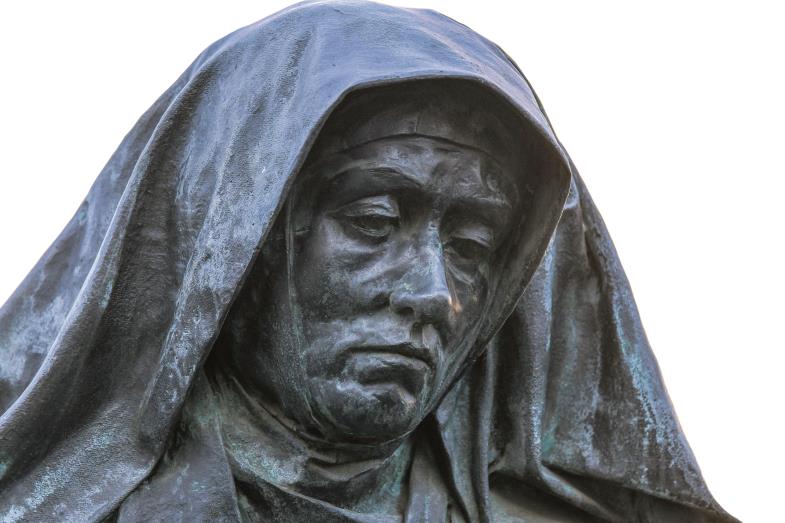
(342, 270)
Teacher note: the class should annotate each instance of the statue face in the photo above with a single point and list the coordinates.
(359, 330)
(392, 272)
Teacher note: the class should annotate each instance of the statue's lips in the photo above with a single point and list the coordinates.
(407, 350)
(406, 364)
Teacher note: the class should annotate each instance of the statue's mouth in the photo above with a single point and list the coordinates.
(406, 350)
(404, 364)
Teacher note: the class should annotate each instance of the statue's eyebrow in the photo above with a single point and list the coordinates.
(357, 181)
(362, 181)
(491, 204)
(494, 212)
(387, 174)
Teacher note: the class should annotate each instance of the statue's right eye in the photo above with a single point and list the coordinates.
(374, 217)
(373, 225)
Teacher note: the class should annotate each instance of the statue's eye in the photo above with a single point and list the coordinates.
(471, 242)
(373, 217)
(469, 249)
(373, 225)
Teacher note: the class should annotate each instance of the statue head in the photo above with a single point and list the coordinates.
(365, 304)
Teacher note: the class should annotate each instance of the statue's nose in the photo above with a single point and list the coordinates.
(423, 290)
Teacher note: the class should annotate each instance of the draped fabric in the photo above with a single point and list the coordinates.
(102, 345)
(569, 397)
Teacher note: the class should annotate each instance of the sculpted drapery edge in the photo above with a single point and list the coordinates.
(103, 340)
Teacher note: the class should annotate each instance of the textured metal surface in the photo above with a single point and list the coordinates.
(342, 270)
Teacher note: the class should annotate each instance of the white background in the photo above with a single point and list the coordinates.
(673, 112)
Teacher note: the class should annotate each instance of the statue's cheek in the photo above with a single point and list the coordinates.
(337, 273)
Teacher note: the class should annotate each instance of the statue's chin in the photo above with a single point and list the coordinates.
(367, 412)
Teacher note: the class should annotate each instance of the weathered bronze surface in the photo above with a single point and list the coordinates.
(342, 270)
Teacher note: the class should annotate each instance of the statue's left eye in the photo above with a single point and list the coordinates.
(468, 249)
(470, 242)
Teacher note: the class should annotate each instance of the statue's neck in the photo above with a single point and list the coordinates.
(264, 446)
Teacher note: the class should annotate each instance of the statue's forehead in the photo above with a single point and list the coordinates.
(433, 164)
(455, 112)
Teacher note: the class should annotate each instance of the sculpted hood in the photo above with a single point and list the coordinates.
(102, 343)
